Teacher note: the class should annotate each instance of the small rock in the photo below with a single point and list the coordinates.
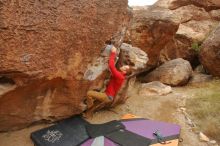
(183, 109)
(212, 142)
(154, 88)
(200, 69)
(199, 78)
(189, 122)
(179, 110)
(203, 137)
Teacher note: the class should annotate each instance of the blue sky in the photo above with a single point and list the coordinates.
(141, 2)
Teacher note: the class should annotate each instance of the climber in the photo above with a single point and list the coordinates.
(115, 83)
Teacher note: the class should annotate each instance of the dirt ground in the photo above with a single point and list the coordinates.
(165, 108)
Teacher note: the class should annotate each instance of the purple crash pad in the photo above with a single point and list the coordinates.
(145, 128)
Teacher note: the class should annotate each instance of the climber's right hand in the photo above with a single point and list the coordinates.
(113, 49)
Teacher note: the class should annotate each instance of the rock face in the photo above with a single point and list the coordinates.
(175, 72)
(154, 88)
(210, 53)
(187, 22)
(195, 25)
(45, 48)
(134, 57)
(207, 4)
(147, 31)
(189, 34)
(215, 14)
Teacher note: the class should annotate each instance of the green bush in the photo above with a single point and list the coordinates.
(195, 46)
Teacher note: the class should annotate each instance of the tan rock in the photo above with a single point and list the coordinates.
(199, 78)
(162, 3)
(188, 34)
(178, 48)
(174, 4)
(46, 47)
(195, 25)
(207, 4)
(183, 109)
(154, 88)
(203, 137)
(196, 31)
(215, 14)
(200, 69)
(212, 142)
(210, 53)
(134, 57)
(190, 12)
(147, 31)
(175, 72)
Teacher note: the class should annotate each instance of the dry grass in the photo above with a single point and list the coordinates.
(205, 108)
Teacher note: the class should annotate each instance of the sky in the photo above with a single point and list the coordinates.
(141, 2)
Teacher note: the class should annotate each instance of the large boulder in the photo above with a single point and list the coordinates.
(185, 44)
(134, 57)
(147, 31)
(210, 53)
(195, 25)
(186, 25)
(174, 4)
(190, 12)
(207, 4)
(175, 72)
(46, 48)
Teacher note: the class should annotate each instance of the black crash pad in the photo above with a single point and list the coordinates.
(68, 132)
(95, 130)
(127, 138)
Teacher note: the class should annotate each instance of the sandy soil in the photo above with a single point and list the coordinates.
(164, 108)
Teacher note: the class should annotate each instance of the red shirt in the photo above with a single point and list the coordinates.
(117, 78)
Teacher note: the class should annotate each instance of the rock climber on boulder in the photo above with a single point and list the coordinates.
(116, 81)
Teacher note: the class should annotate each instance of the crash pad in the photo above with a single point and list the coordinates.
(126, 138)
(146, 128)
(95, 130)
(68, 132)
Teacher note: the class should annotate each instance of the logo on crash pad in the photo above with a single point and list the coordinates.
(52, 136)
